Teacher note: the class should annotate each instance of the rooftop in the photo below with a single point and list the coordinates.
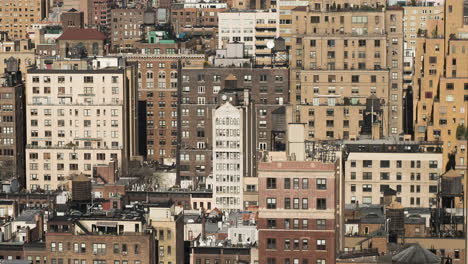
(296, 166)
(82, 34)
(28, 215)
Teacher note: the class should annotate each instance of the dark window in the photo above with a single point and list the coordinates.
(321, 204)
(271, 223)
(271, 183)
(367, 163)
(271, 243)
(384, 164)
(385, 176)
(314, 19)
(287, 183)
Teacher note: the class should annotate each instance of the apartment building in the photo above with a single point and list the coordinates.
(168, 224)
(416, 19)
(158, 89)
(441, 83)
(228, 123)
(267, 90)
(409, 168)
(80, 113)
(186, 17)
(100, 13)
(253, 28)
(234, 148)
(285, 10)
(72, 19)
(22, 50)
(125, 27)
(100, 239)
(347, 64)
(12, 129)
(296, 219)
(18, 16)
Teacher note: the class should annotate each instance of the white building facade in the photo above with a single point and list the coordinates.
(228, 157)
(253, 28)
(77, 119)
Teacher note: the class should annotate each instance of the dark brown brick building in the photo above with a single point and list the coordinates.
(125, 27)
(12, 124)
(158, 81)
(297, 204)
(268, 91)
(72, 19)
(188, 17)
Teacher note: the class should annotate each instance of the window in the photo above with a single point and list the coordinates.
(385, 176)
(296, 247)
(271, 243)
(305, 203)
(296, 203)
(271, 183)
(305, 183)
(305, 244)
(321, 224)
(271, 223)
(367, 187)
(287, 203)
(296, 183)
(367, 175)
(321, 204)
(321, 184)
(287, 183)
(321, 244)
(384, 164)
(367, 163)
(271, 203)
(433, 164)
(287, 244)
(398, 163)
(99, 248)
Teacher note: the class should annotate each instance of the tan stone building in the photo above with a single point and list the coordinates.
(374, 166)
(168, 223)
(441, 83)
(16, 16)
(22, 50)
(415, 20)
(346, 71)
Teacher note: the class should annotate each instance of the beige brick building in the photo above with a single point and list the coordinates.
(346, 64)
(16, 16)
(441, 83)
(78, 117)
(372, 166)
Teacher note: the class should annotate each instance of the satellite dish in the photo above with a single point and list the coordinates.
(270, 44)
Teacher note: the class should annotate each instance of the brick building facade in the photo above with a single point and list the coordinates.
(297, 204)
